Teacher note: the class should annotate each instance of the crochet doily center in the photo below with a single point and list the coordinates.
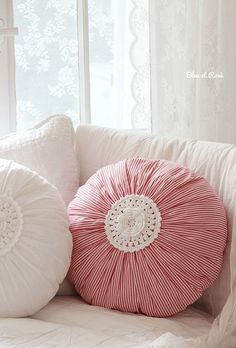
(10, 223)
(132, 223)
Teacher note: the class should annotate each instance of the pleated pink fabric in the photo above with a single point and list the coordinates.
(148, 237)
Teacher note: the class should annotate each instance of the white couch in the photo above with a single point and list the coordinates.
(69, 322)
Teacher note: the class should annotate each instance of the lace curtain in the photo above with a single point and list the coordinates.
(47, 61)
(193, 69)
(46, 52)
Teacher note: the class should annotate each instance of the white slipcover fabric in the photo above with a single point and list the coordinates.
(67, 321)
(35, 241)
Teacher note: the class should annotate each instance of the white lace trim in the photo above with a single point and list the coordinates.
(140, 60)
(132, 223)
(11, 223)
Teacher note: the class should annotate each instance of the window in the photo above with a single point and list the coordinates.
(88, 59)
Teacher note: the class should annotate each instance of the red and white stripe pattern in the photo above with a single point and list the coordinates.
(173, 271)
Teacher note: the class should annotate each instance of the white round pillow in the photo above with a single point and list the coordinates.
(35, 242)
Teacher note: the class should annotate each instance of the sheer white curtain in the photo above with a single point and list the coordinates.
(119, 63)
(193, 68)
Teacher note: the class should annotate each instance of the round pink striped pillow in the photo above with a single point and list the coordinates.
(148, 237)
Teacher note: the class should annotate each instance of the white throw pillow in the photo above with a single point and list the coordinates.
(48, 149)
(35, 243)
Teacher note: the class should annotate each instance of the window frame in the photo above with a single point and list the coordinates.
(84, 62)
(7, 71)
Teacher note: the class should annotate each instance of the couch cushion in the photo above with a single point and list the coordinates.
(35, 241)
(69, 322)
(48, 149)
(104, 328)
(97, 147)
(148, 237)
